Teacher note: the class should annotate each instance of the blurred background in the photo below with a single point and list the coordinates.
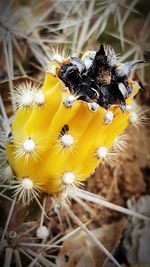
(30, 30)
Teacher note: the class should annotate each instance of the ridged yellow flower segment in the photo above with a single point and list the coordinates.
(64, 129)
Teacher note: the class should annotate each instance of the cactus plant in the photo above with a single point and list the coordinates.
(65, 128)
(62, 131)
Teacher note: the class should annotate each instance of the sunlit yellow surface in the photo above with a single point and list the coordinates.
(43, 125)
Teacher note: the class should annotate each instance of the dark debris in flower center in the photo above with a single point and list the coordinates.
(97, 78)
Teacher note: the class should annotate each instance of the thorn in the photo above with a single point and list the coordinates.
(101, 152)
(57, 57)
(29, 145)
(108, 118)
(68, 178)
(26, 99)
(67, 140)
(69, 100)
(133, 117)
(52, 70)
(39, 98)
(93, 106)
(27, 184)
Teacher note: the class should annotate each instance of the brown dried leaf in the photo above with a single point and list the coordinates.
(80, 251)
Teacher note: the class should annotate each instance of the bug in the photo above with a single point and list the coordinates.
(100, 80)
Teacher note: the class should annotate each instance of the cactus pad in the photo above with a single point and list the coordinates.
(63, 130)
